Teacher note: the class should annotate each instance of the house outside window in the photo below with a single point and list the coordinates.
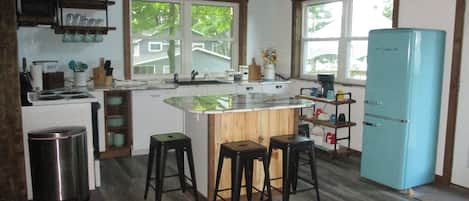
(183, 36)
(335, 36)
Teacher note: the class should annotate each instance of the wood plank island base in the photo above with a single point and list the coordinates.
(213, 120)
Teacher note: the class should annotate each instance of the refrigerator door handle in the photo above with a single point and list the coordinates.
(371, 124)
(375, 102)
(404, 121)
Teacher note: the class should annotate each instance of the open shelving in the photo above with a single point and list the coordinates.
(124, 110)
(348, 124)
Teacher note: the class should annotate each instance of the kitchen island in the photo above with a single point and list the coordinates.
(212, 120)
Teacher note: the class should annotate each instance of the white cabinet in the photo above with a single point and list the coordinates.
(203, 90)
(101, 127)
(152, 116)
(249, 88)
(281, 88)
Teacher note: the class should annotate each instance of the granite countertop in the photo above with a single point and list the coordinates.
(236, 103)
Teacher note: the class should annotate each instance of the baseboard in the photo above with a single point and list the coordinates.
(440, 180)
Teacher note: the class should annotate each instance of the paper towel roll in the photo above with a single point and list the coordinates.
(36, 74)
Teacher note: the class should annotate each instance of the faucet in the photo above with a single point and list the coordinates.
(193, 74)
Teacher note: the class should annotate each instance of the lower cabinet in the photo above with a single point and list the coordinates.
(152, 116)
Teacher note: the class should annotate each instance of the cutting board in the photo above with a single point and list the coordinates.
(99, 74)
(254, 70)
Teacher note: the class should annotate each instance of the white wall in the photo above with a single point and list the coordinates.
(269, 26)
(435, 14)
(43, 44)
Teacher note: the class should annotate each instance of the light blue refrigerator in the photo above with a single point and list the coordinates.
(402, 106)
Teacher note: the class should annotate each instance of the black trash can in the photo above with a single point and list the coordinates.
(59, 165)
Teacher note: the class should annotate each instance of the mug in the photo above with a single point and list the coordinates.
(333, 118)
(342, 118)
(119, 139)
(340, 94)
(330, 94)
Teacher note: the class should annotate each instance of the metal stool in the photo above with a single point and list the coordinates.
(161, 144)
(242, 155)
(291, 146)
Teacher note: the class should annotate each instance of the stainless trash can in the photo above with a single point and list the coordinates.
(59, 165)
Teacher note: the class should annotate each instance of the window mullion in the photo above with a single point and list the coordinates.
(343, 44)
(186, 56)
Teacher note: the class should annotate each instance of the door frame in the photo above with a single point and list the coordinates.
(445, 179)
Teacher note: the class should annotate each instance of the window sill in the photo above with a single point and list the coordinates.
(335, 82)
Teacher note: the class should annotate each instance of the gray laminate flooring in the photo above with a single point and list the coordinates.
(123, 179)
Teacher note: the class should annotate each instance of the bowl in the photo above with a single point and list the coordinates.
(119, 139)
(114, 100)
(115, 121)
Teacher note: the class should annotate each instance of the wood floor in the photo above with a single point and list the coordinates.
(123, 179)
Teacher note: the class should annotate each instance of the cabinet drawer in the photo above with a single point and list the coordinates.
(243, 89)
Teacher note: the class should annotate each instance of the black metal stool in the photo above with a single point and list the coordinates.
(291, 146)
(161, 144)
(242, 155)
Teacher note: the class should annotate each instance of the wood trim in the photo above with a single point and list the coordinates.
(12, 168)
(453, 93)
(297, 20)
(127, 43)
(243, 31)
(395, 14)
(211, 154)
(242, 37)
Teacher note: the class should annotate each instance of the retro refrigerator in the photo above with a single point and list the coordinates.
(402, 106)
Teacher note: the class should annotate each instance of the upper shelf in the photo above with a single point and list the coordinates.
(325, 100)
(83, 29)
(89, 4)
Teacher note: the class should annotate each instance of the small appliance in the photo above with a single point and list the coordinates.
(327, 83)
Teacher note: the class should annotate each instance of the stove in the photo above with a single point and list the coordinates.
(58, 97)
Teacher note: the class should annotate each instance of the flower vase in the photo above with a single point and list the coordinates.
(269, 72)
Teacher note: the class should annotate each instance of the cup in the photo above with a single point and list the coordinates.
(110, 139)
(330, 94)
(119, 139)
(340, 94)
(342, 118)
(333, 118)
(68, 37)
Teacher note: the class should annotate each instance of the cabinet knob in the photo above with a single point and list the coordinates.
(249, 88)
(278, 86)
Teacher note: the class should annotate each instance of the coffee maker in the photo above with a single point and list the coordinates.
(327, 83)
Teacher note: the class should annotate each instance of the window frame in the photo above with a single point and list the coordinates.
(344, 40)
(186, 37)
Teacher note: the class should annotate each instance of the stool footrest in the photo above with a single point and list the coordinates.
(228, 189)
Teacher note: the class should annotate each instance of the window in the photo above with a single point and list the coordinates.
(155, 46)
(183, 36)
(335, 36)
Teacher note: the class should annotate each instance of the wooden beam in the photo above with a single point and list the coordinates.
(297, 20)
(243, 31)
(453, 93)
(127, 42)
(12, 169)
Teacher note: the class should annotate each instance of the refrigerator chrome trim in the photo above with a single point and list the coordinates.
(387, 118)
(373, 102)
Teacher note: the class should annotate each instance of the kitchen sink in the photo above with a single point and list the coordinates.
(200, 82)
